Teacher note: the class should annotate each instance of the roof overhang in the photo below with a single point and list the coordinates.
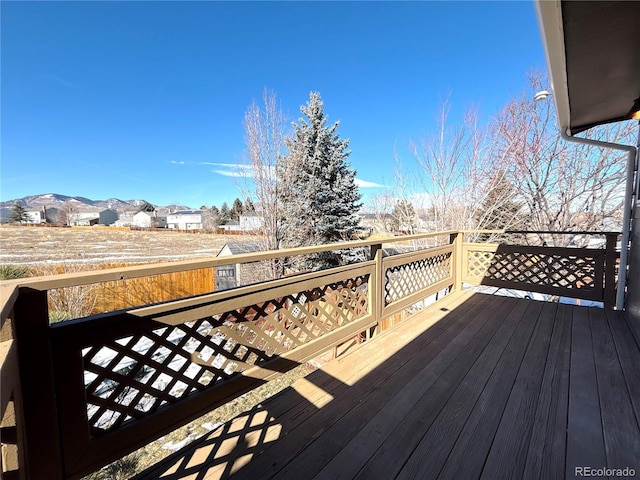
(593, 55)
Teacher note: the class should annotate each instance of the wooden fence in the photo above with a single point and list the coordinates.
(92, 299)
(77, 395)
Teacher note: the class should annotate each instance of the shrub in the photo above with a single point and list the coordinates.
(58, 316)
(12, 272)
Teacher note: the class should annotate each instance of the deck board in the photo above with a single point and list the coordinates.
(476, 386)
(508, 452)
(585, 440)
(546, 455)
(619, 425)
(627, 348)
(350, 413)
(441, 376)
(433, 450)
(468, 455)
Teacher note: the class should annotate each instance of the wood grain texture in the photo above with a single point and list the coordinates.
(475, 386)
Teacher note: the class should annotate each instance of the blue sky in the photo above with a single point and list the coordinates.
(138, 99)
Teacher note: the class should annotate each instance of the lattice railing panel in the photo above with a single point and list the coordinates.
(550, 270)
(478, 263)
(132, 376)
(406, 279)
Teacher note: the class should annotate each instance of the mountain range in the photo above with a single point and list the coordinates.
(56, 200)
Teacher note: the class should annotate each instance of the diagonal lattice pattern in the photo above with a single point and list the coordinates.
(478, 263)
(403, 280)
(132, 376)
(562, 271)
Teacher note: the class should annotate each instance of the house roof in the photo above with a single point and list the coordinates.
(238, 248)
(187, 212)
(593, 55)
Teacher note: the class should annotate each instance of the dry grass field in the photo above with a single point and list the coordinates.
(31, 246)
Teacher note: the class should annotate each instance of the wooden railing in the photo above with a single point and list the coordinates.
(77, 395)
(581, 273)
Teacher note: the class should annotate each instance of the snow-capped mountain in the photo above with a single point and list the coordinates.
(56, 200)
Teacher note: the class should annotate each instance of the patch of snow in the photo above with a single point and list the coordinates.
(208, 426)
(174, 446)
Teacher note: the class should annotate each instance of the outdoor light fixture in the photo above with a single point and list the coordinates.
(541, 95)
(634, 113)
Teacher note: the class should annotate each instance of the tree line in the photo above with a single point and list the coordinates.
(515, 172)
(224, 214)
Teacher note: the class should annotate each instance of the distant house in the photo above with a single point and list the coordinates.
(37, 216)
(231, 226)
(251, 222)
(148, 220)
(185, 220)
(52, 214)
(124, 220)
(90, 218)
(4, 215)
(34, 215)
(239, 274)
(377, 223)
(247, 223)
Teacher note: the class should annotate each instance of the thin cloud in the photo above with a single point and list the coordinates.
(233, 173)
(237, 166)
(246, 170)
(59, 80)
(366, 184)
(115, 172)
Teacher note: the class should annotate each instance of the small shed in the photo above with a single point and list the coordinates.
(239, 274)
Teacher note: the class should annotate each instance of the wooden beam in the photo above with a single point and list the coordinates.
(610, 271)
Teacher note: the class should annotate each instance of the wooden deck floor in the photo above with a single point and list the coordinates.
(476, 387)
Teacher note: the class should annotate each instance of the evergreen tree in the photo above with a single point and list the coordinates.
(146, 207)
(18, 214)
(225, 214)
(319, 196)
(237, 209)
(249, 207)
(404, 217)
(215, 215)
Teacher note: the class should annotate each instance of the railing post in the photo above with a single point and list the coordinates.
(43, 455)
(377, 290)
(456, 240)
(12, 454)
(610, 271)
(375, 248)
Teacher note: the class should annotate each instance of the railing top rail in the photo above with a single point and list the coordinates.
(254, 289)
(549, 232)
(123, 273)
